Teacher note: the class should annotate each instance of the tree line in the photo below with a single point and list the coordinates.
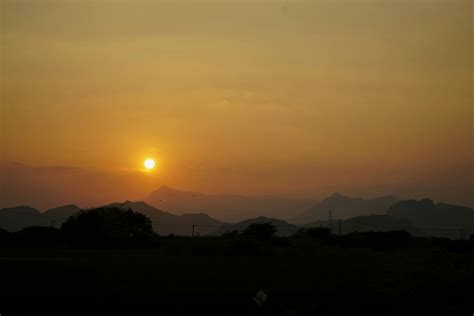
(106, 227)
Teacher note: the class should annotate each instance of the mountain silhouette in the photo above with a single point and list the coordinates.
(232, 208)
(420, 217)
(165, 223)
(283, 227)
(60, 214)
(426, 213)
(18, 217)
(344, 207)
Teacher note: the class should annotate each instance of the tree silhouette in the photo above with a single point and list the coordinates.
(231, 234)
(107, 224)
(260, 231)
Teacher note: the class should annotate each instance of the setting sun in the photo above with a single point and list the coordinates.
(149, 164)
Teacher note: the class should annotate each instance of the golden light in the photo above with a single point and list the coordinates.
(149, 164)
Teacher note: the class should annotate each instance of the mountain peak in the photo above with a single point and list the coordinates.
(22, 209)
(343, 207)
(165, 188)
(129, 203)
(67, 206)
(427, 201)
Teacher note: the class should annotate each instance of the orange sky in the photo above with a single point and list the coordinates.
(296, 98)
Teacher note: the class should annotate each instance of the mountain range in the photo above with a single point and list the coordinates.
(58, 215)
(283, 227)
(18, 217)
(229, 208)
(164, 223)
(422, 217)
(343, 207)
(425, 213)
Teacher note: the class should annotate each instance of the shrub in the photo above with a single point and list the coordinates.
(107, 224)
(260, 231)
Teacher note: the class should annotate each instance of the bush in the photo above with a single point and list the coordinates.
(230, 234)
(260, 231)
(107, 224)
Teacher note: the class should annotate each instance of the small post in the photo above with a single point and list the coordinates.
(193, 229)
(53, 222)
(340, 227)
(462, 233)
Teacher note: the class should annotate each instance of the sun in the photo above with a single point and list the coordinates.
(149, 164)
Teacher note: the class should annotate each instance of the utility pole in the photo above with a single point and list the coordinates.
(193, 229)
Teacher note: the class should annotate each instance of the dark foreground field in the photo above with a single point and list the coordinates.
(220, 276)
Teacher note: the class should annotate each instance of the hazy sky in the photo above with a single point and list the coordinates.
(296, 98)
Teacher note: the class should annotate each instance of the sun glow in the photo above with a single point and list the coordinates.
(149, 164)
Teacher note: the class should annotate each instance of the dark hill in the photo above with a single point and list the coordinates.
(343, 207)
(430, 216)
(16, 218)
(230, 208)
(60, 214)
(165, 223)
(283, 227)
(365, 223)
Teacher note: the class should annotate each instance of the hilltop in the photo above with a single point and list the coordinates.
(344, 207)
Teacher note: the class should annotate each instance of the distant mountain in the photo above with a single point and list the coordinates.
(230, 208)
(283, 227)
(16, 218)
(165, 223)
(141, 207)
(343, 207)
(426, 214)
(60, 214)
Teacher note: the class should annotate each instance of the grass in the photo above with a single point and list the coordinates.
(298, 275)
